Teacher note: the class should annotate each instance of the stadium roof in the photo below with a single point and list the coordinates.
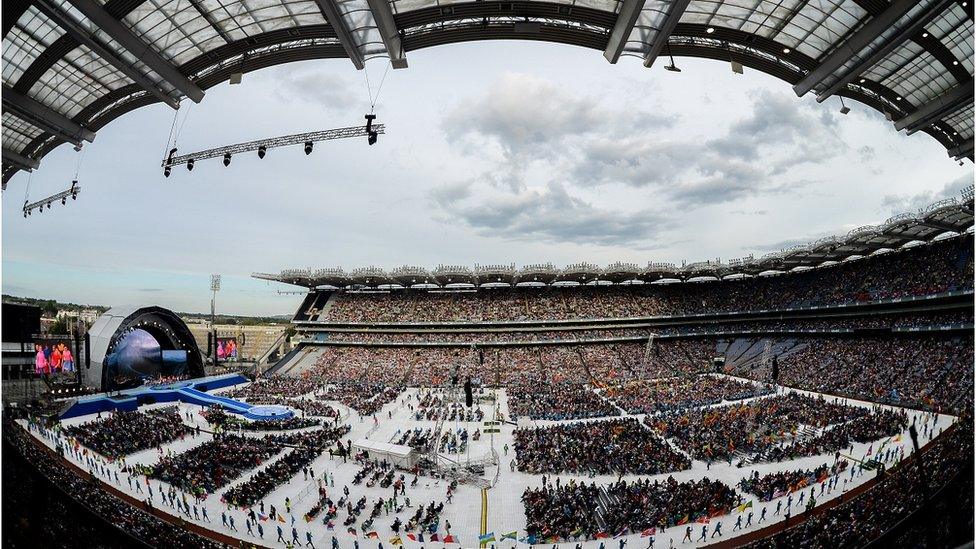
(951, 215)
(72, 66)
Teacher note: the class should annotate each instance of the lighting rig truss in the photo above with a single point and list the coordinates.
(62, 196)
(370, 131)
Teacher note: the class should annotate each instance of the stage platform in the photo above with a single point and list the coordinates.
(192, 391)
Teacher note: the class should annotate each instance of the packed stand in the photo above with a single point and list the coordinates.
(616, 446)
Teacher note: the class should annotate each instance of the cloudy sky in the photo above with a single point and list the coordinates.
(496, 152)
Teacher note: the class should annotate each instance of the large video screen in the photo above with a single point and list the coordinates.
(138, 357)
(227, 348)
(52, 356)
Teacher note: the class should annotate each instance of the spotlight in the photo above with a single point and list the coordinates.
(672, 68)
(25, 214)
(844, 109)
(227, 159)
(737, 67)
(262, 150)
(786, 50)
(49, 205)
(189, 164)
(710, 30)
(74, 196)
(64, 200)
(166, 171)
(372, 138)
(308, 147)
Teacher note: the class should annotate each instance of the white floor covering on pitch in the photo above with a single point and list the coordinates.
(505, 510)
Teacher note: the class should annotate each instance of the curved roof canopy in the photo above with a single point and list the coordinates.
(951, 215)
(72, 66)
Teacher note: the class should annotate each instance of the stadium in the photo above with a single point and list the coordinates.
(815, 392)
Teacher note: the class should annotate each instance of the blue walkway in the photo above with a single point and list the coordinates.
(193, 391)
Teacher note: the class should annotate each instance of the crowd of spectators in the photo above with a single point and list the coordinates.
(921, 270)
(88, 492)
(216, 416)
(753, 428)
(121, 433)
(538, 400)
(933, 373)
(670, 394)
(575, 335)
(780, 483)
(309, 445)
(214, 464)
(577, 510)
(901, 491)
(615, 446)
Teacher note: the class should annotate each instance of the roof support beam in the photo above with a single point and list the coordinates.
(855, 44)
(912, 29)
(629, 13)
(940, 226)
(330, 9)
(964, 150)
(45, 118)
(678, 8)
(19, 161)
(76, 31)
(142, 51)
(211, 21)
(383, 15)
(936, 109)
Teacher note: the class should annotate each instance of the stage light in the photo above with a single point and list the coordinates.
(262, 150)
(308, 147)
(227, 159)
(166, 171)
(844, 109)
(372, 138)
(189, 164)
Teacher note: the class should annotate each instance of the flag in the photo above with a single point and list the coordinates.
(281, 518)
(449, 539)
(601, 535)
(898, 438)
(263, 517)
(412, 537)
(395, 540)
(433, 537)
(684, 520)
(485, 538)
(574, 533)
(744, 506)
(352, 531)
(372, 535)
(702, 520)
(648, 532)
(869, 450)
(530, 539)
(511, 535)
(330, 526)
